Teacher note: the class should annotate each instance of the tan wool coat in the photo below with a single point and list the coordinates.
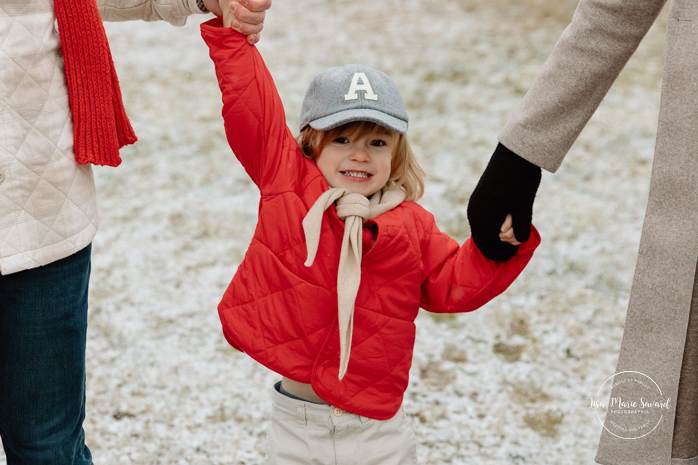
(585, 62)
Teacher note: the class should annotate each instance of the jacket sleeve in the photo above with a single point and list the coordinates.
(254, 117)
(461, 279)
(585, 62)
(174, 12)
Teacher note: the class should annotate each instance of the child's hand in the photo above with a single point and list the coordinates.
(244, 16)
(507, 232)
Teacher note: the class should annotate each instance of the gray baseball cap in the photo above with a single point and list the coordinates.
(350, 93)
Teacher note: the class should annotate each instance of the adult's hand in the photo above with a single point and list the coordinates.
(508, 185)
(244, 16)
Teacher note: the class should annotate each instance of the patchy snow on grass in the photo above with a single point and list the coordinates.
(509, 383)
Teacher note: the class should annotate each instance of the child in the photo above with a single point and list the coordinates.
(341, 260)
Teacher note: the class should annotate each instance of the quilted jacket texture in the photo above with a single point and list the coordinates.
(283, 314)
(48, 205)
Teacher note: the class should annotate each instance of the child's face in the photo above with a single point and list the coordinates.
(360, 164)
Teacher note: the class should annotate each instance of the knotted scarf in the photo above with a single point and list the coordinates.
(101, 126)
(354, 209)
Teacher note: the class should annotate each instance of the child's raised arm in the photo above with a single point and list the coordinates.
(255, 121)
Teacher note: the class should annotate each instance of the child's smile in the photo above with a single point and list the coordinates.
(356, 174)
(360, 164)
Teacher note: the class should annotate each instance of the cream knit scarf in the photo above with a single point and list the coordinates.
(354, 209)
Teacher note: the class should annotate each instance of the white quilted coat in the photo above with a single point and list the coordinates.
(48, 205)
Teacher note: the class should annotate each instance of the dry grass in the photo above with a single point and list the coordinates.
(545, 423)
(487, 388)
(509, 352)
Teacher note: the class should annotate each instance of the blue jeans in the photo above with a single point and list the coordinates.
(43, 330)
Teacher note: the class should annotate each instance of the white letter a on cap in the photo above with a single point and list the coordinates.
(365, 86)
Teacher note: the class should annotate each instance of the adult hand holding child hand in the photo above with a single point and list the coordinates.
(504, 194)
(244, 16)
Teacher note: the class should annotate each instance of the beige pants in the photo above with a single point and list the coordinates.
(312, 434)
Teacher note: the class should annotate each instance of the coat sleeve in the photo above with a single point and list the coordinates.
(174, 12)
(254, 117)
(585, 62)
(461, 279)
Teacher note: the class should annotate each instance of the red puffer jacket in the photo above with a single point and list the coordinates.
(283, 314)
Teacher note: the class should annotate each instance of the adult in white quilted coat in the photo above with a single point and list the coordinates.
(48, 212)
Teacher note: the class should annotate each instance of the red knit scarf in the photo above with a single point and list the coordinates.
(101, 126)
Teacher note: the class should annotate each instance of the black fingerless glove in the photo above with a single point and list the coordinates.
(508, 185)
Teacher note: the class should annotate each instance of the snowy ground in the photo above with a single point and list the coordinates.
(509, 383)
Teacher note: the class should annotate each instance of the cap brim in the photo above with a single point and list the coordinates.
(363, 114)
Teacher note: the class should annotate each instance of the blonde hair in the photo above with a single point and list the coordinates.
(405, 172)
